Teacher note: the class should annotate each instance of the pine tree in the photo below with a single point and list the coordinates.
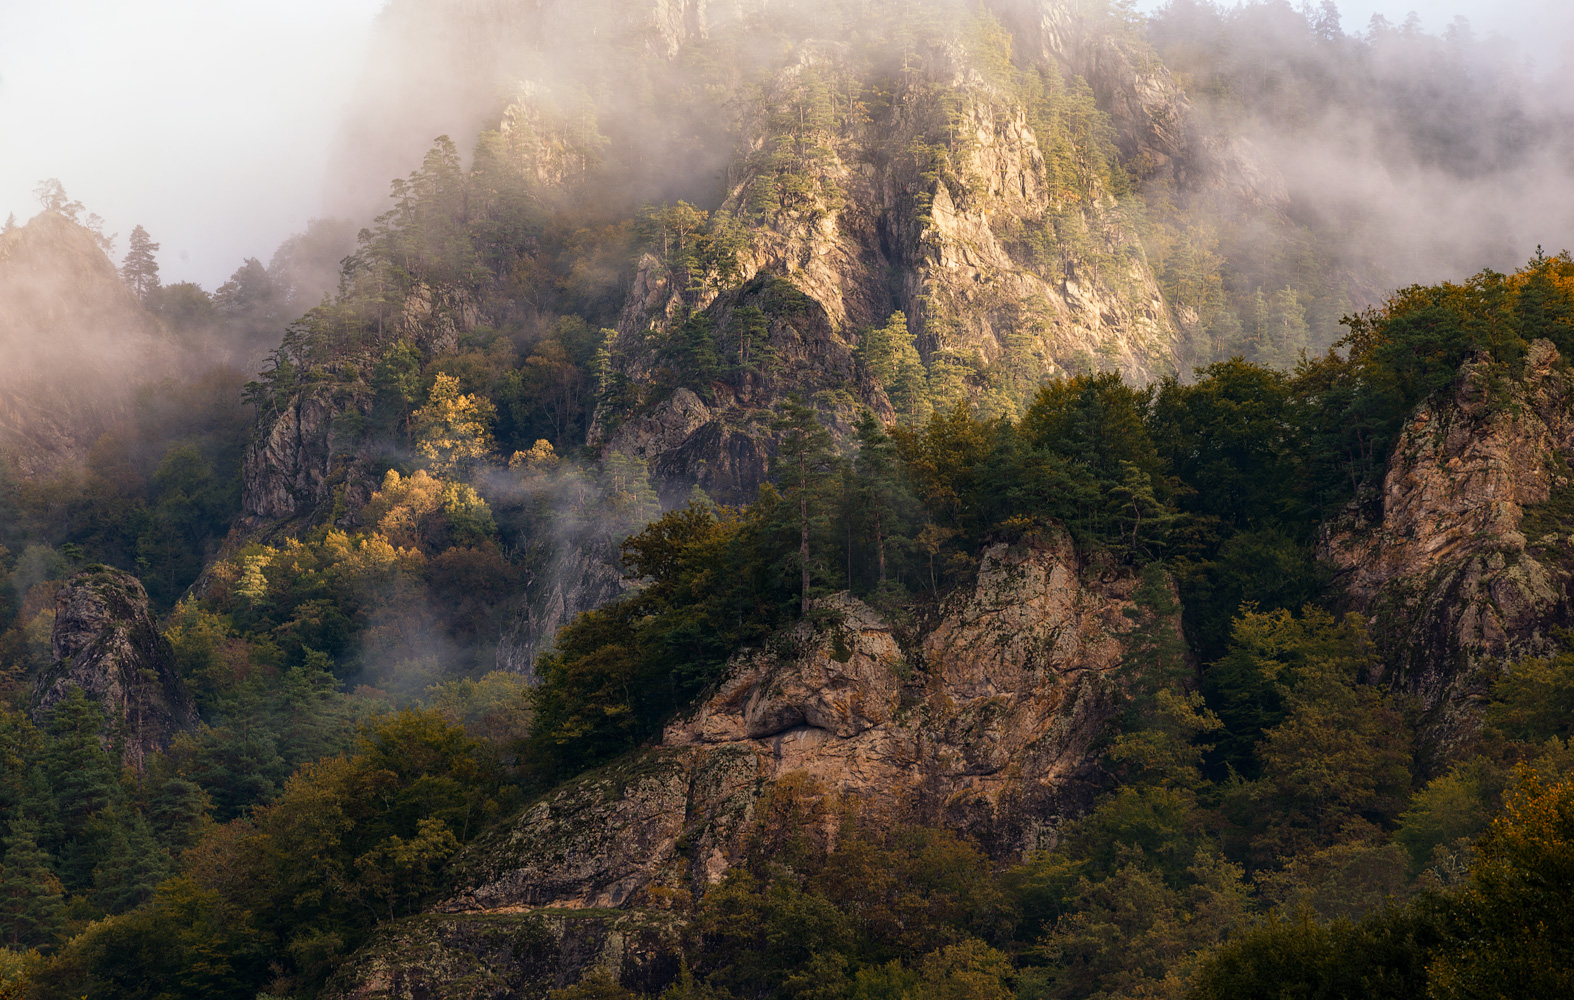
(909, 389)
(82, 777)
(876, 351)
(947, 381)
(128, 861)
(10, 223)
(52, 195)
(32, 911)
(808, 468)
(884, 501)
(140, 269)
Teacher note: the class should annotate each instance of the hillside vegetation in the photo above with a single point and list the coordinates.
(567, 436)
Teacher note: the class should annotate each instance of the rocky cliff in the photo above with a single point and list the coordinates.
(1468, 563)
(987, 720)
(943, 161)
(107, 644)
(956, 195)
(301, 454)
(75, 344)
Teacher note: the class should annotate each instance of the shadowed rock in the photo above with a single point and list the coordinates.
(106, 643)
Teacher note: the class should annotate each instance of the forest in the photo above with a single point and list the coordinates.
(1271, 820)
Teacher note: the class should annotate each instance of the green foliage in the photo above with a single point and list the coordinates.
(140, 268)
(616, 673)
(1383, 956)
(1503, 930)
(1534, 700)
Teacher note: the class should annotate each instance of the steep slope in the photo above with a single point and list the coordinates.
(964, 165)
(988, 721)
(74, 344)
(1469, 563)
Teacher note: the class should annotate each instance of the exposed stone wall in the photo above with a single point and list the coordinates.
(106, 643)
(1460, 588)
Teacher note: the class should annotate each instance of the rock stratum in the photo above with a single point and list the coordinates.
(988, 720)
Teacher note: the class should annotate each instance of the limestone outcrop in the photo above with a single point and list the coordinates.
(1470, 556)
(987, 721)
(107, 644)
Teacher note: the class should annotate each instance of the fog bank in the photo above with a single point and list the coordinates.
(208, 122)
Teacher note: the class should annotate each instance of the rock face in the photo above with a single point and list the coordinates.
(910, 171)
(579, 578)
(1156, 125)
(300, 455)
(954, 240)
(106, 643)
(1471, 558)
(988, 722)
(75, 344)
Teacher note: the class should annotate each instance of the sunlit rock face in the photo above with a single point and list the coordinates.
(1458, 564)
(107, 644)
(75, 345)
(986, 720)
(876, 159)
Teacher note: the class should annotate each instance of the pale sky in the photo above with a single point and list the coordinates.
(206, 121)
(1543, 29)
(210, 121)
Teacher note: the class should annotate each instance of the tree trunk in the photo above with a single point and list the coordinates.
(879, 545)
(803, 548)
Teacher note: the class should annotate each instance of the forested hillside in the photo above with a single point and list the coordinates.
(813, 503)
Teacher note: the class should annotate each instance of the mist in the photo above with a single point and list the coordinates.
(1420, 149)
(224, 127)
(208, 122)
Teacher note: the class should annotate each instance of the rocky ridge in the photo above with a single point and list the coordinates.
(107, 643)
(988, 721)
(1470, 559)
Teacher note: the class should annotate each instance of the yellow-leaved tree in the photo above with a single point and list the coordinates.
(453, 431)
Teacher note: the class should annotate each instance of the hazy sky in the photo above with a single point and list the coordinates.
(207, 121)
(1543, 29)
(210, 121)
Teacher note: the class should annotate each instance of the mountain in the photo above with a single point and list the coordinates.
(831, 500)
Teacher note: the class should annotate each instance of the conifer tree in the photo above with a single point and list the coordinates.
(10, 223)
(128, 861)
(884, 501)
(32, 910)
(82, 777)
(140, 269)
(889, 358)
(947, 381)
(808, 467)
